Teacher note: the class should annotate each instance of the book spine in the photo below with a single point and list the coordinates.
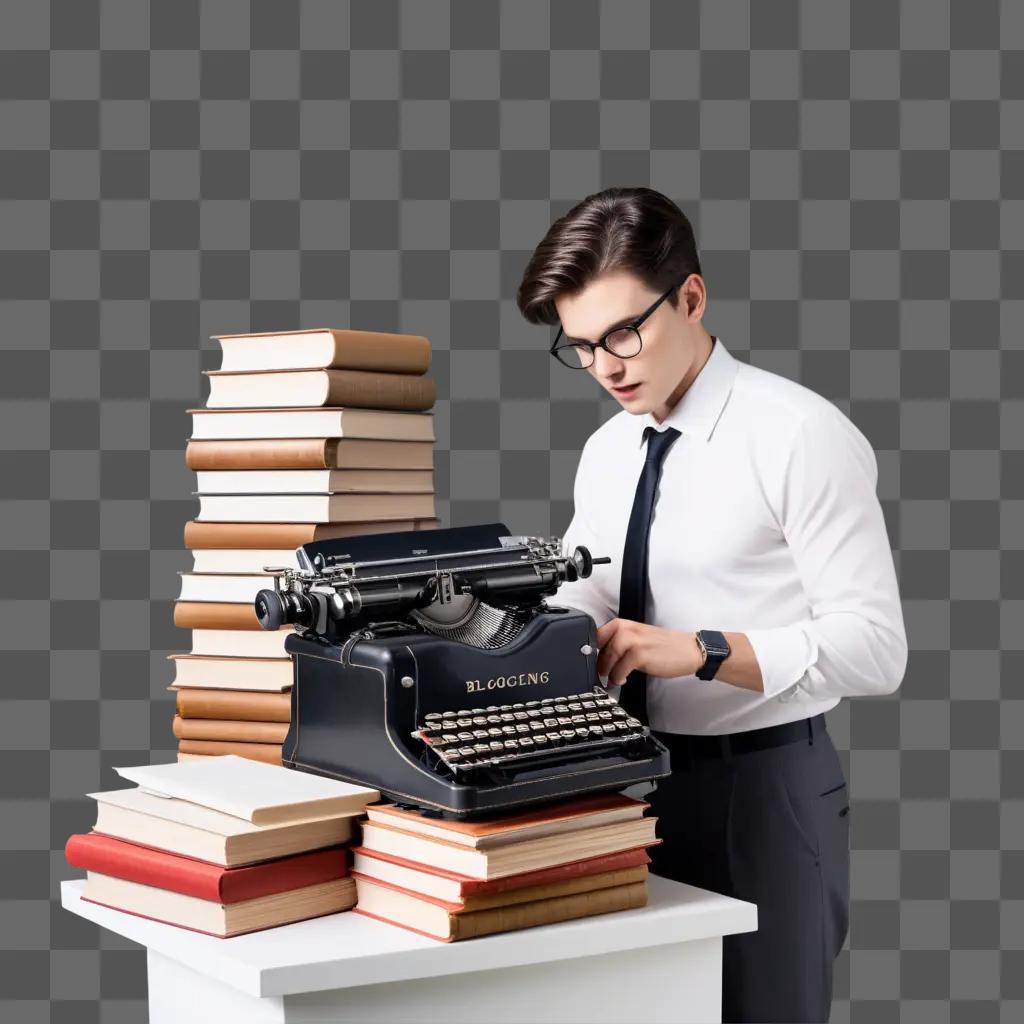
(269, 752)
(142, 864)
(228, 730)
(215, 615)
(366, 390)
(385, 353)
(248, 535)
(569, 887)
(234, 705)
(563, 908)
(284, 453)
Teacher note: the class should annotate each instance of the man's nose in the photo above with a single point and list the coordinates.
(605, 364)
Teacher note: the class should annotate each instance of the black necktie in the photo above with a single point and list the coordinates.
(633, 585)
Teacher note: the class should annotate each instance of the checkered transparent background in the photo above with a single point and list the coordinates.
(855, 175)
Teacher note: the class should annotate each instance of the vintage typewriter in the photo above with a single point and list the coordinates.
(428, 665)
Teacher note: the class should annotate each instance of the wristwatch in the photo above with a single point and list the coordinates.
(716, 649)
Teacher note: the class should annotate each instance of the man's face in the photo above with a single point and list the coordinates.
(643, 382)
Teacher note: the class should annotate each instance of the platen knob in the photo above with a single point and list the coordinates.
(270, 609)
(580, 564)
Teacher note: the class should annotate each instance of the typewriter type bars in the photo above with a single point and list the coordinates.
(515, 734)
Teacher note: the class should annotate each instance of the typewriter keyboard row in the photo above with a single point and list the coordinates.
(505, 735)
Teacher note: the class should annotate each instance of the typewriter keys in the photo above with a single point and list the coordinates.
(497, 736)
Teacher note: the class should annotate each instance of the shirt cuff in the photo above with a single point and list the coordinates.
(784, 654)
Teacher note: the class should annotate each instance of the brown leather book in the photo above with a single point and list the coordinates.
(325, 347)
(310, 453)
(215, 615)
(355, 389)
(289, 535)
(231, 731)
(234, 705)
(269, 752)
(444, 921)
(526, 894)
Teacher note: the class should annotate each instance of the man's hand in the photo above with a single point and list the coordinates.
(627, 645)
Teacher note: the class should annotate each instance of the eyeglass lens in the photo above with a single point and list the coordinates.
(623, 343)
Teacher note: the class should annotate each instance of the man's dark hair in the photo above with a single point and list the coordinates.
(633, 229)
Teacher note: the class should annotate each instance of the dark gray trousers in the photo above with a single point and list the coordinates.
(772, 827)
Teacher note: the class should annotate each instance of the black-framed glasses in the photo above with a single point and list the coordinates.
(623, 342)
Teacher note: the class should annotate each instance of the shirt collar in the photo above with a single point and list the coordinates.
(697, 412)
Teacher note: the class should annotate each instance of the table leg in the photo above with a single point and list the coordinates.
(178, 994)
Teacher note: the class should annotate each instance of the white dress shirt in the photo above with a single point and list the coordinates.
(766, 523)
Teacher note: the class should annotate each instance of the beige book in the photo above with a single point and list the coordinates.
(314, 481)
(241, 643)
(449, 924)
(530, 855)
(322, 347)
(231, 587)
(549, 819)
(265, 753)
(223, 920)
(442, 887)
(293, 535)
(232, 673)
(260, 794)
(312, 508)
(363, 389)
(245, 560)
(309, 453)
(178, 826)
(264, 423)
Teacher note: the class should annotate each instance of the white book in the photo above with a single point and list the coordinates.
(244, 560)
(180, 826)
(314, 481)
(264, 674)
(333, 421)
(264, 794)
(238, 588)
(241, 643)
(313, 508)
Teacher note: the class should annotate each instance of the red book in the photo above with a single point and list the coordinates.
(109, 856)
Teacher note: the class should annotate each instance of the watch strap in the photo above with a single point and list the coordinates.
(717, 650)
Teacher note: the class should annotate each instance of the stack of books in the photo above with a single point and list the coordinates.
(222, 846)
(306, 436)
(455, 880)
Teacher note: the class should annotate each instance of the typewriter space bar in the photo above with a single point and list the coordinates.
(554, 756)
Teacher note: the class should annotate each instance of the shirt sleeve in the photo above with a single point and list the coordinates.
(584, 594)
(854, 642)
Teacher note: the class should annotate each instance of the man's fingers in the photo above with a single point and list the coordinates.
(610, 654)
(620, 671)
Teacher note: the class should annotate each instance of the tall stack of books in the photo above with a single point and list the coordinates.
(306, 436)
(223, 846)
(455, 880)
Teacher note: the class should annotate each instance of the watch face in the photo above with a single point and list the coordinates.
(714, 646)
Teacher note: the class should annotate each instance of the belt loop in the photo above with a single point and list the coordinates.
(725, 746)
(810, 731)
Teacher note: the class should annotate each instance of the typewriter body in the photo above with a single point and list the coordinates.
(429, 665)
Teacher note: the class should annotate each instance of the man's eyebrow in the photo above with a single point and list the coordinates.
(618, 323)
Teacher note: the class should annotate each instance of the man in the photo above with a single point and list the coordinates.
(751, 587)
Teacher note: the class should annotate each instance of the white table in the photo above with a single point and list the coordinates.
(662, 962)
